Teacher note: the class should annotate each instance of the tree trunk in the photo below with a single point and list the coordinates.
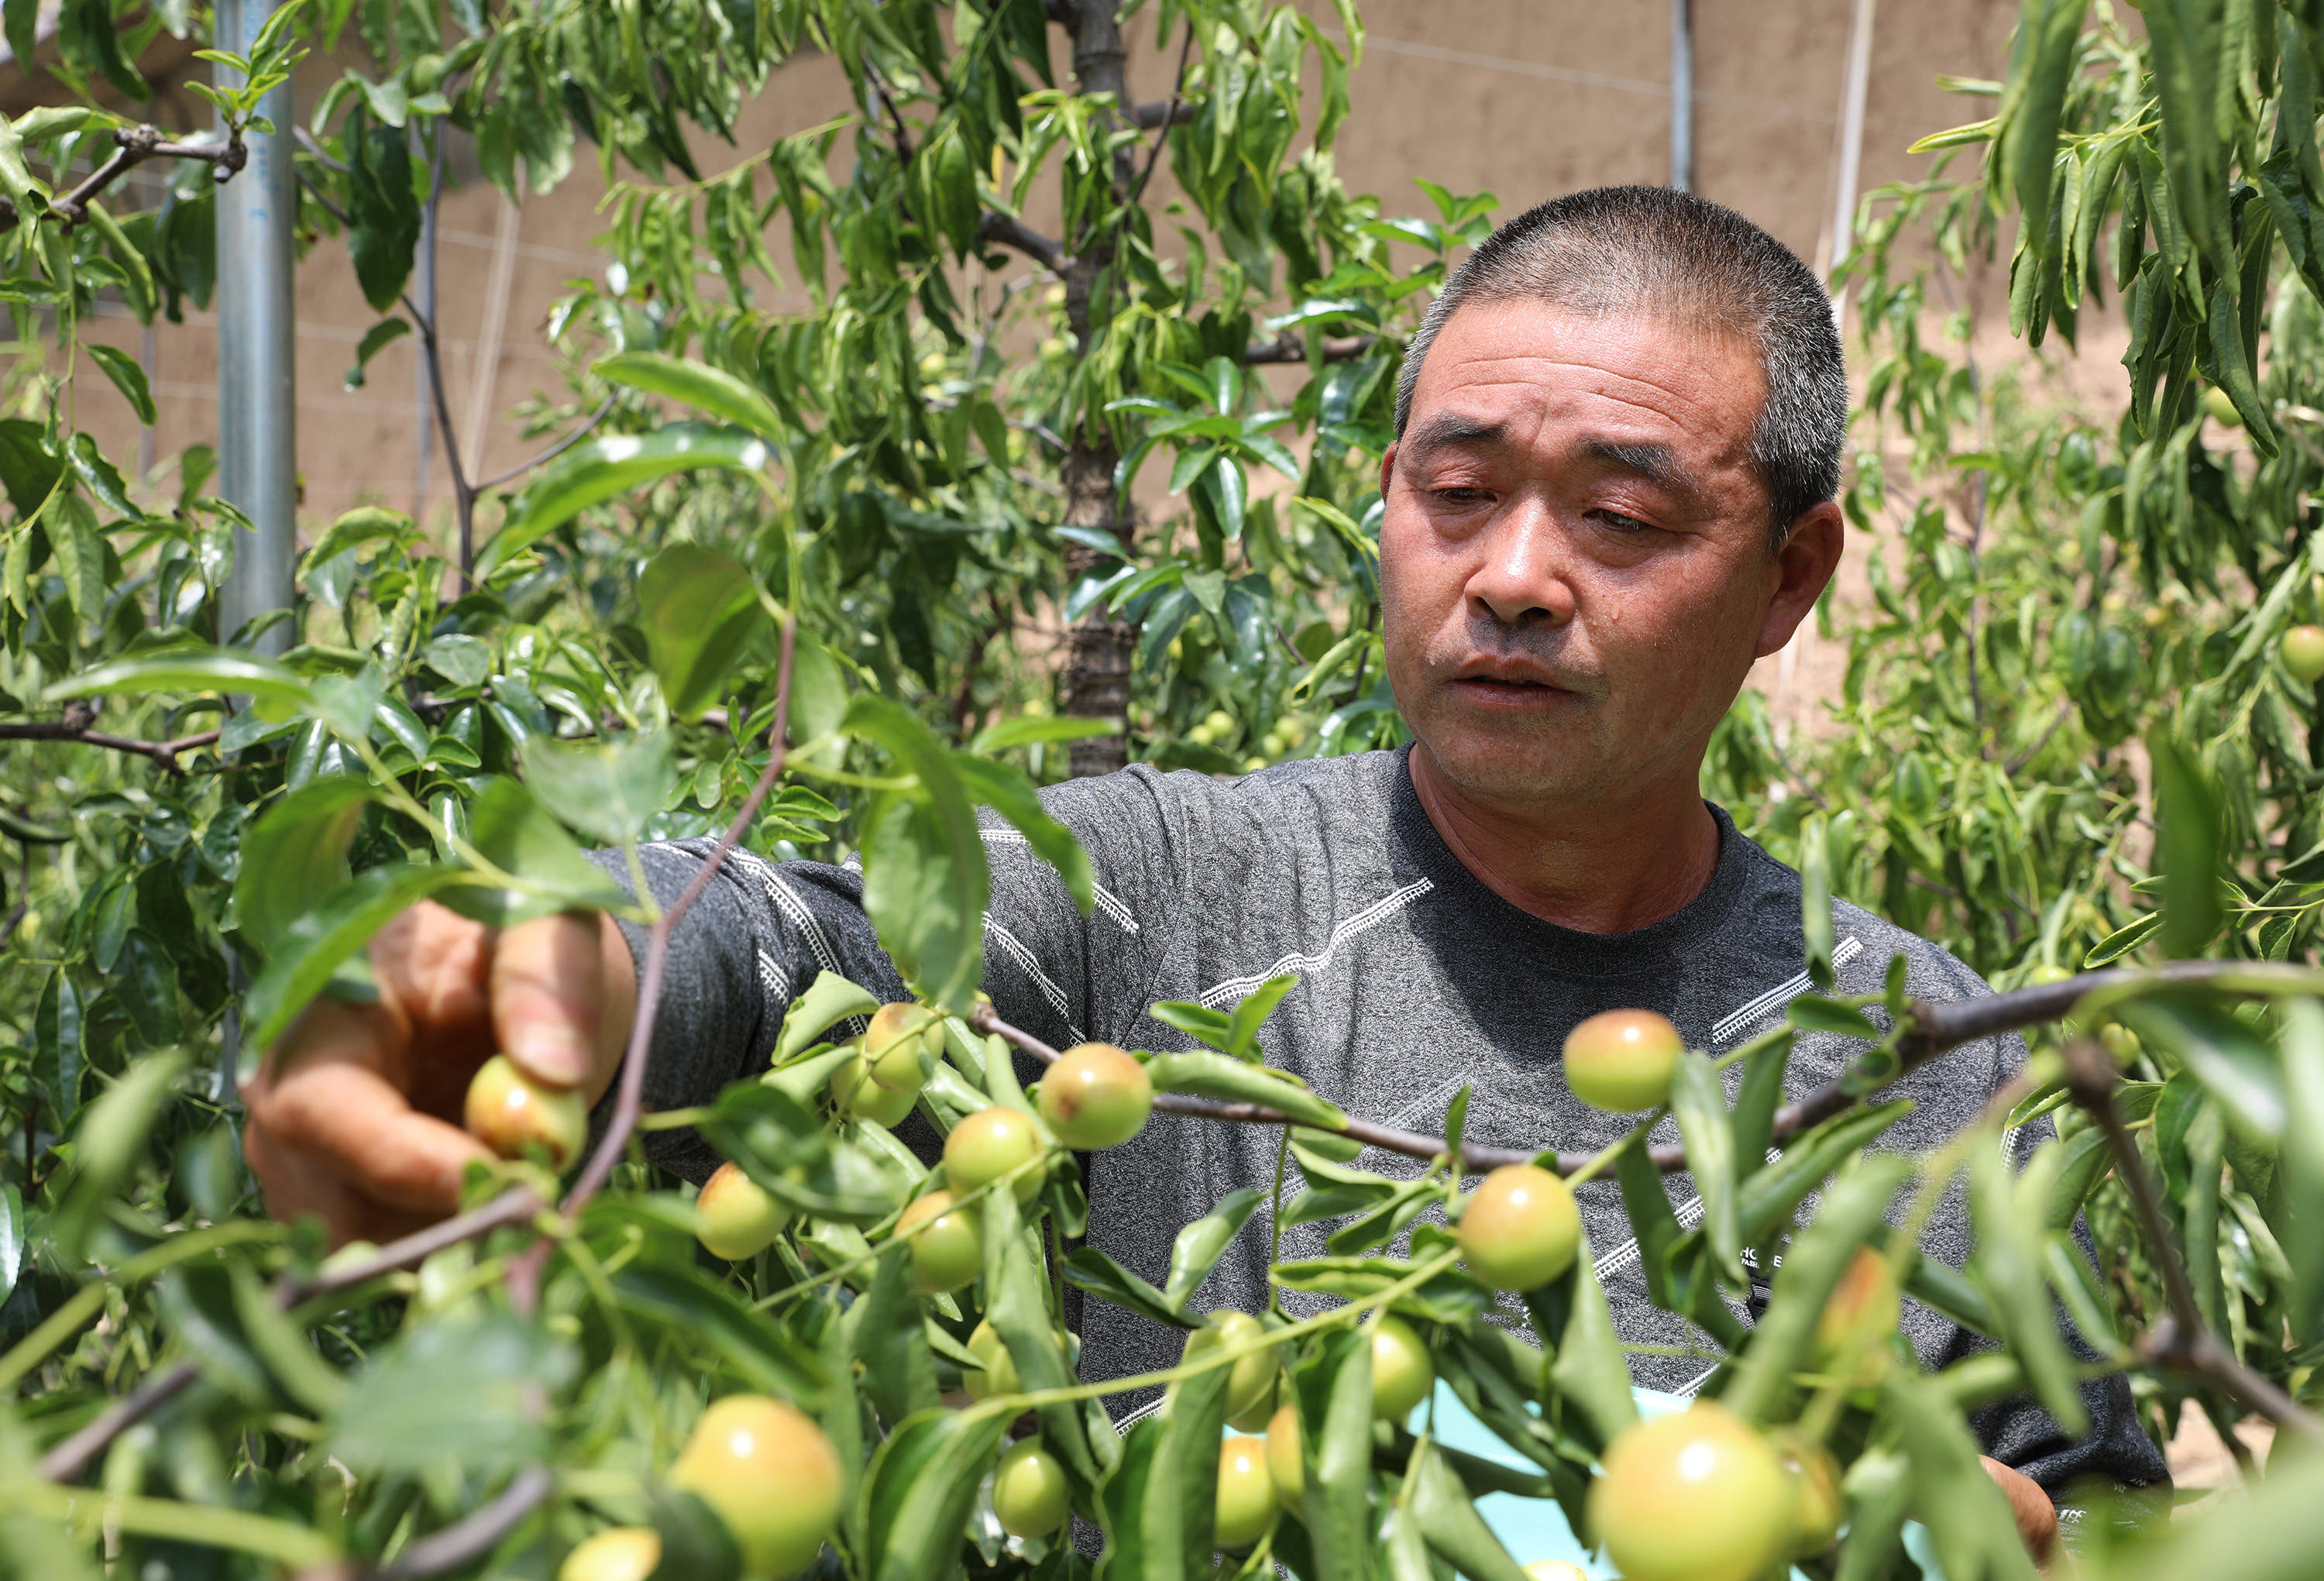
(1098, 654)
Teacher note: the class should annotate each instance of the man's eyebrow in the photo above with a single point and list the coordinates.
(1657, 463)
(1452, 428)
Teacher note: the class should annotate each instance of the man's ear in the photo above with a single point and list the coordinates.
(1388, 467)
(1803, 569)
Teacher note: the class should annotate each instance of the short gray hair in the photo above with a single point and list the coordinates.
(1675, 256)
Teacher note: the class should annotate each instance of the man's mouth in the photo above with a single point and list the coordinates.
(1509, 689)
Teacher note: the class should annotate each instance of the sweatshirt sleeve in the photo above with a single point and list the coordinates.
(761, 931)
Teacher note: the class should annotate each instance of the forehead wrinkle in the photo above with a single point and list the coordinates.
(1671, 393)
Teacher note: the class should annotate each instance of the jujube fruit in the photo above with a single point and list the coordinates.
(1096, 1096)
(2303, 652)
(734, 1217)
(1029, 1493)
(1402, 1373)
(619, 1553)
(999, 1373)
(1520, 1228)
(509, 1112)
(895, 1041)
(1250, 1381)
(1246, 1506)
(1817, 1512)
(1865, 1304)
(1556, 1571)
(1621, 1061)
(855, 1093)
(1283, 1456)
(987, 1145)
(767, 1472)
(1696, 1495)
(949, 1254)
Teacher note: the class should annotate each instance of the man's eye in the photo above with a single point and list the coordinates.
(1459, 494)
(1620, 522)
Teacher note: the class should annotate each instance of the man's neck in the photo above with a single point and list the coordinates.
(1594, 870)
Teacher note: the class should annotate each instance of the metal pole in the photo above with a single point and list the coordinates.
(1851, 130)
(1681, 127)
(258, 432)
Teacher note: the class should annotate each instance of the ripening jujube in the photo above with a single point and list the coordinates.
(767, 1472)
(619, 1553)
(988, 1144)
(949, 1253)
(1402, 1372)
(1247, 1505)
(511, 1113)
(1520, 1229)
(734, 1217)
(1622, 1060)
(1696, 1495)
(1095, 1096)
(1030, 1497)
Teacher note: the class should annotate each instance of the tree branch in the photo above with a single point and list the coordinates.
(549, 454)
(1289, 347)
(2182, 1340)
(1931, 1030)
(131, 147)
(473, 1536)
(1148, 118)
(165, 753)
(993, 227)
(67, 1461)
(1164, 117)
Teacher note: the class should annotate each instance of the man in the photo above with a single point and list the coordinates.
(1619, 433)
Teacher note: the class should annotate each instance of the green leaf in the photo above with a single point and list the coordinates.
(1814, 1013)
(2302, 1178)
(920, 1490)
(376, 340)
(2217, 1049)
(699, 1311)
(29, 470)
(190, 668)
(1451, 1525)
(1199, 1022)
(830, 999)
(1252, 1010)
(197, 1303)
(1815, 901)
(308, 952)
(1223, 1077)
(1850, 1215)
(1091, 1269)
(453, 1397)
(366, 524)
(108, 1141)
(597, 470)
(128, 377)
(1016, 1305)
(708, 389)
(1772, 1194)
(513, 831)
(1007, 791)
(11, 1237)
(1332, 1389)
(1701, 1104)
(1589, 1368)
(2008, 1266)
(1201, 1245)
(1028, 728)
(386, 212)
(295, 856)
(888, 1338)
(925, 882)
(607, 789)
(80, 556)
(701, 613)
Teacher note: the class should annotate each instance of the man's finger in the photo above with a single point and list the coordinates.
(548, 990)
(338, 1109)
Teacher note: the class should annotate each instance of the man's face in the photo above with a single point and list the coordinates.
(1574, 563)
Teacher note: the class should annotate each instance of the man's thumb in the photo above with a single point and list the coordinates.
(548, 994)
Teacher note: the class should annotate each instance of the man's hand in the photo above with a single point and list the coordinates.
(2037, 1518)
(357, 1113)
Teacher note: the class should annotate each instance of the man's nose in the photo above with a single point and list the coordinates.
(1522, 577)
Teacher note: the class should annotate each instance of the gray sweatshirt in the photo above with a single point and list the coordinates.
(1415, 981)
